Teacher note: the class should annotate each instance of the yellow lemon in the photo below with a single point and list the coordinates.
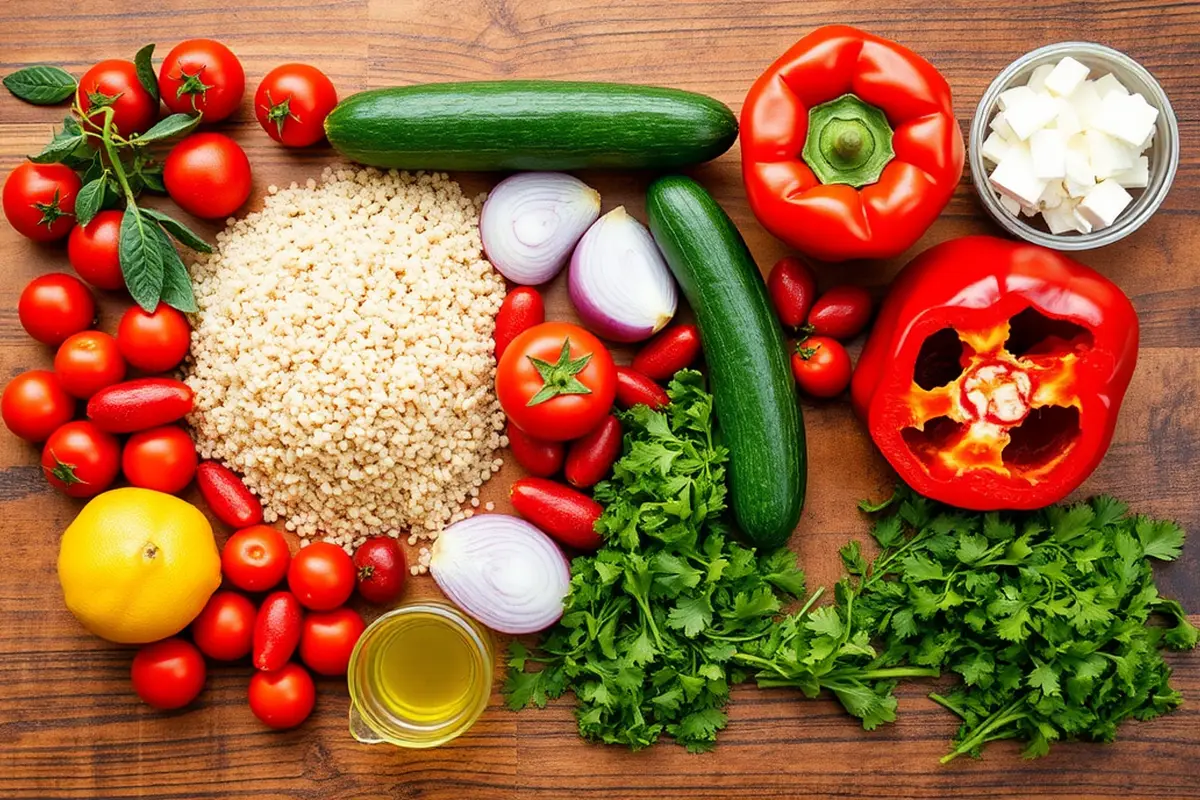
(138, 565)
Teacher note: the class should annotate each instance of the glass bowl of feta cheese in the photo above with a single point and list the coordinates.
(1073, 146)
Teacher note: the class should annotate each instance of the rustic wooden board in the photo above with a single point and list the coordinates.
(71, 727)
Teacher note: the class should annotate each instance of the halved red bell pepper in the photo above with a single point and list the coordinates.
(994, 373)
(850, 147)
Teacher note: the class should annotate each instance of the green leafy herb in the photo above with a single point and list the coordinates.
(41, 84)
(181, 233)
(89, 200)
(169, 127)
(145, 70)
(177, 284)
(141, 258)
(653, 619)
(63, 145)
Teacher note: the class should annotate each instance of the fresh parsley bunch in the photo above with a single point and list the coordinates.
(653, 620)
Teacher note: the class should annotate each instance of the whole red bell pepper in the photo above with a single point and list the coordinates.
(994, 373)
(850, 147)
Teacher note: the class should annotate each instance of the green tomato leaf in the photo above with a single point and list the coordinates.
(62, 146)
(41, 84)
(168, 128)
(89, 201)
(141, 258)
(181, 233)
(177, 283)
(145, 70)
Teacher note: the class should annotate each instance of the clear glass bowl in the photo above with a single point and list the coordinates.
(1163, 152)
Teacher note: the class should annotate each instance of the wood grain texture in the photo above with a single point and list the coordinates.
(71, 727)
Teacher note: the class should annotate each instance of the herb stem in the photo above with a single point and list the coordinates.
(985, 733)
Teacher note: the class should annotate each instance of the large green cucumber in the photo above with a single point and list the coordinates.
(521, 125)
(753, 391)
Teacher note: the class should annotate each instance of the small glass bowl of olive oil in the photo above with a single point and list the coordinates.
(419, 676)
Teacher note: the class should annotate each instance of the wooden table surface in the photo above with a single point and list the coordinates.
(70, 725)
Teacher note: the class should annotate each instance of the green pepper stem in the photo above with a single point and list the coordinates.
(849, 142)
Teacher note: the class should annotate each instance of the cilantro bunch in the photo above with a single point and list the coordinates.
(653, 620)
(1051, 620)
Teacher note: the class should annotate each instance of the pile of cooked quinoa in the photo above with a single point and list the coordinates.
(342, 355)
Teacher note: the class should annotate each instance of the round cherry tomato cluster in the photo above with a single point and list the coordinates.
(820, 362)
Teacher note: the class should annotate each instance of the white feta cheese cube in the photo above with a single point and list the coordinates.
(1127, 117)
(1026, 211)
(1031, 115)
(1066, 77)
(1048, 150)
(1010, 205)
(1018, 95)
(1137, 176)
(1000, 125)
(1149, 140)
(1081, 224)
(1102, 205)
(1108, 84)
(1053, 195)
(1106, 156)
(1014, 178)
(1086, 102)
(1067, 119)
(994, 147)
(1037, 78)
(1079, 171)
(1059, 219)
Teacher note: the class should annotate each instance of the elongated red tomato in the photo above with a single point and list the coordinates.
(521, 310)
(539, 457)
(634, 388)
(792, 288)
(140, 404)
(842, 312)
(673, 349)
(565, 514)
(590, 458)
(227, 496)
(277, 630)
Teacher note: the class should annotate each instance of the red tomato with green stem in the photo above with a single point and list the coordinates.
(521, 310)
(821, 366)
(328, 637)
(792, 288)
(163, 459)
(292, 102)
(35, 405)
(539, 457)
(114, 84)
(224, 629)
(381, 571)
(202, 75)
(208, 175)
(321, 576)
(80, 460)
(87, 362)
(556, 381)
(55, 306)
(841, 313)
(255, 559)
(168, 674)
(93, 251)
(154, 342)
(284, 698)
(39, 200)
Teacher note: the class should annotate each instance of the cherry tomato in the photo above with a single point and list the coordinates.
(39, 200)
(792, 288)
(821, 366)
(114, 83)
(567, 515)
(227, 496)
(140, 404)
(556, 381)
(590, 458)
(671, 350)
(93, 251)
(328, 637)
(87, 362)
(202, 75)
(321, 576)
(80, 460)
(538, 456)
(154, 342)
(634, 388)
(521, 310)
(381, 572)
(292, 103)
(35, 405)
(224, 630)
(277, 630)
(841, 313)
(168, 674)
(208, 175)
(256, 558)
(163, 459)
(284, 698)
(54, 306)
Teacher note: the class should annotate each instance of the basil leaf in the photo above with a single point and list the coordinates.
(41, 84)
(145, 70)
(182, 233)
(141, 258)
(89, 200)
(177, 283)
(167, 127)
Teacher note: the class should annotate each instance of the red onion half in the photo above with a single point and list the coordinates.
(619, 282)
(502, 571)
(531, 221)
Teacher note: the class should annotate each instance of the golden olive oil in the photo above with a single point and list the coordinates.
(419, 676)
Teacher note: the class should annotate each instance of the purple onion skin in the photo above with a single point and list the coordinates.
(597, 321)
